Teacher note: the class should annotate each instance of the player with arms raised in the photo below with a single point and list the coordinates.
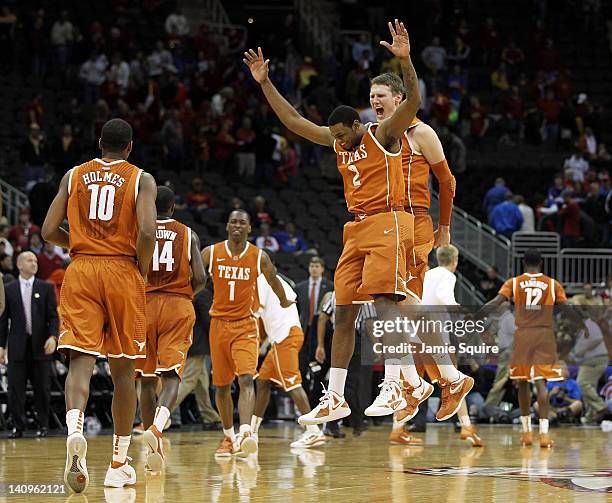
(234, 266)
(110, 206)
(373, 260)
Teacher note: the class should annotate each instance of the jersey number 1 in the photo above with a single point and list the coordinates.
(165, 257)
(533, 296)
(102, 202)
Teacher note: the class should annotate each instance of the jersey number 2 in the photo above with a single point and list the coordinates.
(102, 202)
(165, 257)
(356, 180)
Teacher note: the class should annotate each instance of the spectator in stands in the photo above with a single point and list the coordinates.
(455, 150)
(479, 123)
(549, 58)
(36, 243)
(527, 212)
(225, 146)
(235, 204)
(19, 235)
(261, 213)
(288, 170)
(565, 400)
(360, 47)
(587, 297)
(34, 156)
(198, 201)
(66, 151)
(457, 85)
(176, 24)
(434, 56)
(506, 217)
(4, 240)
(494, 196)
(38, 36)
(7, 268)
(173, 142)
(489, 42)
(62, 38)
(570, 220)
(587, 143)
(48, 260)
(577, 165)
(290, 241)
(119, 73)
(265, 240)
(93, 74)
(594, 205)
(304, 72)
(514, 57)
(551, 108)
(553, 195)
(591, 353)
(499, 78)
(460, 53)
(245, 154)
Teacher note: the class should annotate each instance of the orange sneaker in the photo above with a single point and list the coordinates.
(545, 441)
(414, 397)
(155, 452)
(469, 433)
(452, 395)
(226, 449)
(401, 437)
(526, 439)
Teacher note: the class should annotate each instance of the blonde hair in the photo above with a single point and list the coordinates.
(446, 255)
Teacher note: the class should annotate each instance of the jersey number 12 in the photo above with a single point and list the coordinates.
(165, 257)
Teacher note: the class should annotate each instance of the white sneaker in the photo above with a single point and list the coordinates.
(155, 453)
(75, 473)
(125, 475)
(331, 408)
(256, 438)
(245, 445)
(389, 400)
(309, 439)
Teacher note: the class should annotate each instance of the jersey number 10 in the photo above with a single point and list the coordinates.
(102, 202)
(165, 257)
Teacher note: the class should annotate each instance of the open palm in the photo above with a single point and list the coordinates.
(257, 64)
(400, 46)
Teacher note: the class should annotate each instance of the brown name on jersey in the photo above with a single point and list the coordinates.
(107, 176)
(360, 153)
(231, 272)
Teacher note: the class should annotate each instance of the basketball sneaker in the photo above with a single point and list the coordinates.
(389, 400)
(309, 439)
(155, 453)
(226, 449)
(138, 429)
(401, 437)
(125, 475)
(414, 397)
(545, 441)
(453, 394)
(245, 445)
(331, 408)
(469, 433)
(75, 473)
(526, 439)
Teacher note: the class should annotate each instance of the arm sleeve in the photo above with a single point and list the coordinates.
(448, 184)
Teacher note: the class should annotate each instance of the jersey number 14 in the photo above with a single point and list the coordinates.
(164, 257)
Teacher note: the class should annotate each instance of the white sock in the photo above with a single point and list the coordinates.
(410, 374)
(543, 425)
(313, 428)
(337, 379)
(245, 428)
(526, 422)
(161, 418)
(465, 420)
(448, 372)
(120, 448)
(397, 426)
(74, 421)
(255, 423)
(392, 371)
(229, 432)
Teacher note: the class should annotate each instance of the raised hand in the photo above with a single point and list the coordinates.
(400, 46)
(257, 64)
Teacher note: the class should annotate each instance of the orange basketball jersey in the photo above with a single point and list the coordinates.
(416, 172)
(170, 270)
(234, 280)
(102, 208)
(533, 295)
(372, 176)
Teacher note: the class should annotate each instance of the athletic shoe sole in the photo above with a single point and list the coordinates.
(299, 445)
(247, 447)
(384, 410)
(75, 474)
(339, 413)
(155, 461)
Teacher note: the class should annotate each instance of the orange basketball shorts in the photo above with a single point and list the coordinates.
(534, 355)
(418, 260)
(373, 259)
(170, 320)
(234, 349)
(281, 365)
(102, 308)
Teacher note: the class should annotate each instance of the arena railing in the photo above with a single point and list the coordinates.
(466, 292)
(12, 202)
(577, 266)
(549, 244)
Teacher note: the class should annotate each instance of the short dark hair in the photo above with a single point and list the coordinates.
(317, 260)
(532, 257)
(116, 135)
(391, 80)
(343, 114)
(244, 212)
(165, 199)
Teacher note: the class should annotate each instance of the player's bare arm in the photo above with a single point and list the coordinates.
(392, 129)
(269, 271)
(427, 141)
(287, 114)
(198, 272)
(51, 229)
(206, 256)
(320, 354)
(145, 214)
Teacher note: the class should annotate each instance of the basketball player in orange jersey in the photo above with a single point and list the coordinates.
(234, 266)
(534, 353)
(110, 206)
(373, 260)
(421, 153)
(175, 276)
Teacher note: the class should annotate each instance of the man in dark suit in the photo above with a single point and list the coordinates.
(32, 339)
(309, 295)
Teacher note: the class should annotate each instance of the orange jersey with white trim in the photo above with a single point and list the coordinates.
(372, 176)
(170, 269)
(416, 172)
(533, 295)
(234, 281)
(102, 208)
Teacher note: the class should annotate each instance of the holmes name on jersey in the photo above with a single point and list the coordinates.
(360, 153)
(534, 283)
(232, 272)
(107, 176)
